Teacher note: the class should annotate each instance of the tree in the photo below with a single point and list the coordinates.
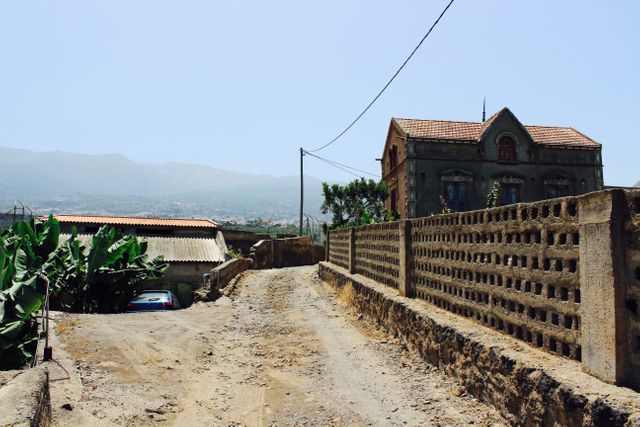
(356, 203)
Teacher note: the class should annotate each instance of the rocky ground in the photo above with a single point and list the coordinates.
(283, 350)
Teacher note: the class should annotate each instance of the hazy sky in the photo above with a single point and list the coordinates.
(241, 85)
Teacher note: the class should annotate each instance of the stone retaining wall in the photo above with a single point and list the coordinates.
(220, 276)
(25, 397)
(528, 386)
(287, 252)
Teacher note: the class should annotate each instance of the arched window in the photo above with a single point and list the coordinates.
(507, 149)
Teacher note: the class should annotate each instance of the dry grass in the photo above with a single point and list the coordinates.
(347, 295)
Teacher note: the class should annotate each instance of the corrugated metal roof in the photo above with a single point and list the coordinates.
(174, 249)
(134, 220)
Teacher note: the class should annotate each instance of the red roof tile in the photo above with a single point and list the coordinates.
(472, 131)
(132, 220)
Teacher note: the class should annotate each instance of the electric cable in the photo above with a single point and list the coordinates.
(385, 86)
(340, 167)
(341, 164)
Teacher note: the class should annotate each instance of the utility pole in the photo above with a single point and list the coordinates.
(301, 188)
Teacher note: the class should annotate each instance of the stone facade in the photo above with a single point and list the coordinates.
(425, 159)
(562, 275)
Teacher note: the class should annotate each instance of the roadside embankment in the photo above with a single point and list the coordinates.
(25, 397)
(525, 384)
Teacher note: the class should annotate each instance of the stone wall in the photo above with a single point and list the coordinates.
(290, 252)
(527, 386)
(25, 397)
(242, 240)
(632, 275)
(562, 275)
(220, 276)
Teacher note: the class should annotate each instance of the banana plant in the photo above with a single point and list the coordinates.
(26, 251)
(100, 279)
(103, 280)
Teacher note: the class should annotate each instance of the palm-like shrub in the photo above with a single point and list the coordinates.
(102, 278)
(26, 252)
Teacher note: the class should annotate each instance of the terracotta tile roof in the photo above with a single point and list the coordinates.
(132, 220)
(440, 129)
(548, 135)
(472, 131)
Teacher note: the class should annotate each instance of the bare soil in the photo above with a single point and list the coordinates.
(284, 350)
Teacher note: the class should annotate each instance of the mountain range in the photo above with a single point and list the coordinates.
(113, 184)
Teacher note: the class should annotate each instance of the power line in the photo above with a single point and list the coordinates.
(385, 86)
(329, 162)
(333, 162)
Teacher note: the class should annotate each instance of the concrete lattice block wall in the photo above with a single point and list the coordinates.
(562, 275)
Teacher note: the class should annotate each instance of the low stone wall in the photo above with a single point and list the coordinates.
(290, 252)
(222, 275)
(242, 240)
(25, 397)
(527, 385)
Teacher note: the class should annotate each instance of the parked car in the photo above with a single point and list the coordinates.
(153, 301)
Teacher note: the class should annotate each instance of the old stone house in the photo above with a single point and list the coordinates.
(460, 161)
(192, 247)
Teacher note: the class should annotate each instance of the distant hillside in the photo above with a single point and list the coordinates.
(112, 183)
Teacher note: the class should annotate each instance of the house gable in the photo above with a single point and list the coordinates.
(396, 137)
(502, 130)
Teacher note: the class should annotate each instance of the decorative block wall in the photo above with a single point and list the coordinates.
(517, 269)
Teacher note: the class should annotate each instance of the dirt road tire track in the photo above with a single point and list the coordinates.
(285, 350)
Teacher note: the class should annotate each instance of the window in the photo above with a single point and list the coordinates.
(557, 186)
(553, 191)
(455, 193)
(507, 149)
(394, 201)
(456, 186)
(509, 194)
(393, 157)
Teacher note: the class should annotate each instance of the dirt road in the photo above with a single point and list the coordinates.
(283, 351)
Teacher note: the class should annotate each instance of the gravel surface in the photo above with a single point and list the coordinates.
(284, 350)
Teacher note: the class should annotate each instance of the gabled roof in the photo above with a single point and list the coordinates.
(133, 220)
(441, 130)
(489, 123)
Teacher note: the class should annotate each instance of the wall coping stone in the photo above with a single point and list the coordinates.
(25, 397)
